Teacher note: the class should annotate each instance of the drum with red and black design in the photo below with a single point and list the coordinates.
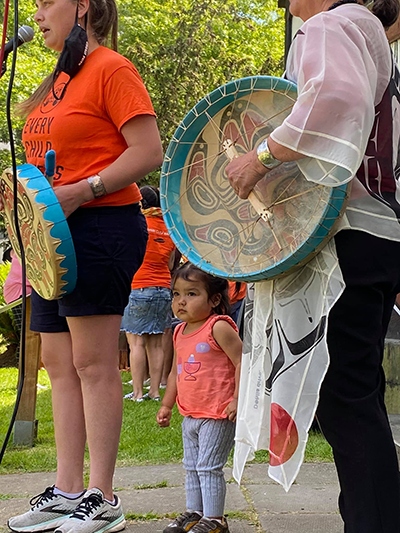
(285, 221)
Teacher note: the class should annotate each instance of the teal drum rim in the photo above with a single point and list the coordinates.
(176, 156)
(60, 230)
(61, 244)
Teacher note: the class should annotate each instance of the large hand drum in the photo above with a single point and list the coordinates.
(288, 219)
(49, 250)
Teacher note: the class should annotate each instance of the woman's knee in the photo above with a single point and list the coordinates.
(56, 354)
(92, 367)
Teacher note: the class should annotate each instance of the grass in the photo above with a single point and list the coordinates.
(148, 517)
(142, 441)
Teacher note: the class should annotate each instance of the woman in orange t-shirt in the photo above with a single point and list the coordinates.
(95, 112)
(149, 313)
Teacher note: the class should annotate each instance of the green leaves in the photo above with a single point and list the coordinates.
(34, 62)
(183, 49)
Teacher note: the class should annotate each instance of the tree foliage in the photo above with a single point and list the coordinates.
(183, 49)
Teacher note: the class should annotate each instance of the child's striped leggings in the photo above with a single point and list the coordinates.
(206, 443)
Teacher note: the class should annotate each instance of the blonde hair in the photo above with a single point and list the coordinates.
(103, 21)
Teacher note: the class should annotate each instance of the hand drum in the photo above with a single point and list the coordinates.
(288, 218)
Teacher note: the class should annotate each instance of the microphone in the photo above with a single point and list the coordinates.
(25, 34)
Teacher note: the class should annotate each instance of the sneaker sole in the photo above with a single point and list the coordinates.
(45, 526)
(117, 527)
(111, 528)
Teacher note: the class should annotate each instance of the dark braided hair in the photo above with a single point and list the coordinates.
(387, 11)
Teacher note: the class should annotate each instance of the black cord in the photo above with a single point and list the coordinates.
(18, 233)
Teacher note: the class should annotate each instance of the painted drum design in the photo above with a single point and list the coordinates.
(49, 251)
(209, 223)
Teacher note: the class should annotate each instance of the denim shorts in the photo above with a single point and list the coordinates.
(148, 311)
(110, 243)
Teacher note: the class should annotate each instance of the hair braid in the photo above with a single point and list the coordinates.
(387, 11)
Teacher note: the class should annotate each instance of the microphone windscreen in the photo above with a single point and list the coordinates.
(26, 33)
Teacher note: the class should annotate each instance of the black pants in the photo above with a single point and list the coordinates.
(351, 411)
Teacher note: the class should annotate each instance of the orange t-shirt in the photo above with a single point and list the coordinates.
(84, 128)
(154, 271)
(233, 298)
(205, 375)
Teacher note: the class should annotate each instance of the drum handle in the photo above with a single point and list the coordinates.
(257, 204)
(50, 165)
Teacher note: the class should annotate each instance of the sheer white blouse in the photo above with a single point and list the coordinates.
(346, 119)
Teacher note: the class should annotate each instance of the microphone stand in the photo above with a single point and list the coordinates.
(3, 68)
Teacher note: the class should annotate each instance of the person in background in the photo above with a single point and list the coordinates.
(12, 288)
(204, 382)
(237, 293)
(95, 112)
(148, 314)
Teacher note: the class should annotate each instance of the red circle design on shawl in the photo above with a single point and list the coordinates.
(284, 436)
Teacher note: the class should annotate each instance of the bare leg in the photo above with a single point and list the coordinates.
(138, 362)
(95, 349)
(155, 356)
(168, 349)
(69, 422)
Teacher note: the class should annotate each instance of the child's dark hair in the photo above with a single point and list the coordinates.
(212, 284)
(150, 196)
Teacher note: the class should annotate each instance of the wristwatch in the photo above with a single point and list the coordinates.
(265, 157)
(97, 186)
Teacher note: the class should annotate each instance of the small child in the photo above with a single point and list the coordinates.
(204, 381)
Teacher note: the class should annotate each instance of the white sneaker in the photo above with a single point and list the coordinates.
(48, 511)
(94, 515)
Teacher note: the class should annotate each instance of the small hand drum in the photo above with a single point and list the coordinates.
(286, 220)
(49, 251)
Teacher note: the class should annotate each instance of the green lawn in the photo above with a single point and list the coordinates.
(142, 441)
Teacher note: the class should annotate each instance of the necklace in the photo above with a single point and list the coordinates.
(341, 2)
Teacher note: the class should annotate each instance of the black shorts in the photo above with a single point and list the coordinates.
(110, 243)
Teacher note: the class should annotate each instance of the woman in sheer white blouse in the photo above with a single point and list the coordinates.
(345, 126)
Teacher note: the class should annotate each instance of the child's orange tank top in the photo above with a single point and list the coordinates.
(206, 375)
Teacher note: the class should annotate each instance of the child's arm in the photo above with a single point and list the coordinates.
(165, 412)
(229, 341)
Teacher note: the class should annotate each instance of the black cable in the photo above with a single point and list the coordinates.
(18, 233)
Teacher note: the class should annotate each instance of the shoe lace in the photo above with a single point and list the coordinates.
(43, 497)
(87, 505)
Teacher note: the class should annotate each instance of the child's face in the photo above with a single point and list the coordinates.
(191, 302)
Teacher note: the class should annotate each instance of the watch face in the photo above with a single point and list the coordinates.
(263, 147)
(268, 160)
(265, 157)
